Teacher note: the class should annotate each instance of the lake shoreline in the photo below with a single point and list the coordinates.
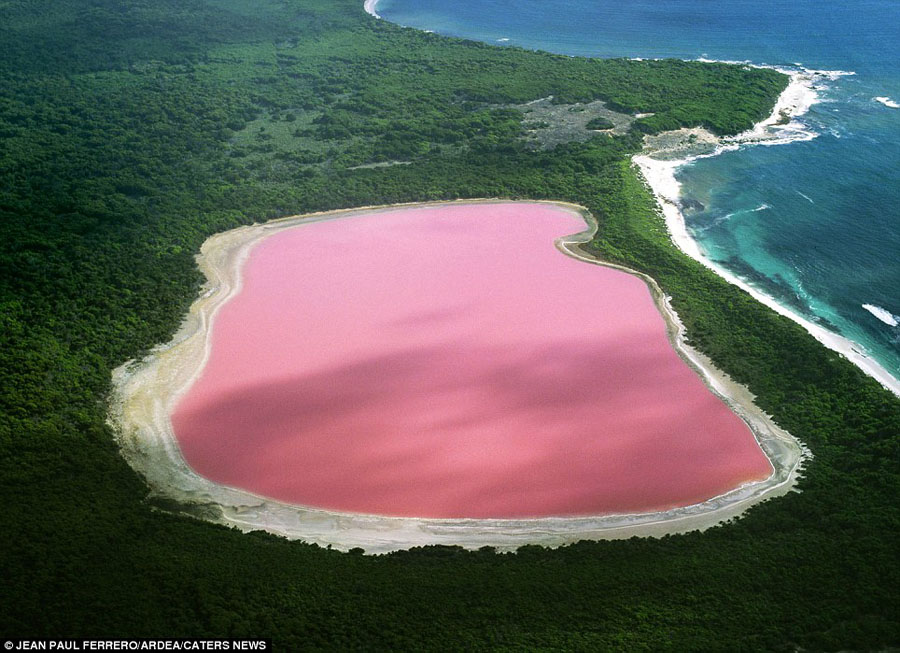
(145, 394)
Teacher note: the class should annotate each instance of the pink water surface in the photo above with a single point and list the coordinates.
(451, 362)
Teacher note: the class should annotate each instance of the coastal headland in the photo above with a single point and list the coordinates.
(147, 393)
(664, 154)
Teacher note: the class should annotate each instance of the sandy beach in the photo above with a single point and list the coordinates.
(659, 168)
(369, 6)
(146, 392)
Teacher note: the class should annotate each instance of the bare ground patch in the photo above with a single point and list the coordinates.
(548, 125)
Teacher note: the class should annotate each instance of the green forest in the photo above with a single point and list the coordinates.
(131, 130)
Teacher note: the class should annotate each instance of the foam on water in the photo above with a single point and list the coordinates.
(882, 314)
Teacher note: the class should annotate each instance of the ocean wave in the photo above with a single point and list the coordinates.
(697, 229)
(803, 91)
(886, 101)
(783, 125)
(806, 197)
(803, 297)
(831, 74)
(660, 177)
(725, 218)
(745, 62)
(882, 314)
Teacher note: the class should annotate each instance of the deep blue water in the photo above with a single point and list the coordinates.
(829, 240)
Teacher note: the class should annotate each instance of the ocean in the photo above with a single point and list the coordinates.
(813, 224)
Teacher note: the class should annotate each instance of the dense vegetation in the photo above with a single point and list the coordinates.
(132, 130)
(600, 123)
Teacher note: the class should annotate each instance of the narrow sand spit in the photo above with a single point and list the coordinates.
(146, 392)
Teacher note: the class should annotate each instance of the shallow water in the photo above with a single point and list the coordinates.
(451, 362)
(827, 244)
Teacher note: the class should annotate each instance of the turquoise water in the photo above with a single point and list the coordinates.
(814, 224)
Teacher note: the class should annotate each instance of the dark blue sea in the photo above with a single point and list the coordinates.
(814, 224)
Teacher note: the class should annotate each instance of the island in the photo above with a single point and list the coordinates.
(135, 132)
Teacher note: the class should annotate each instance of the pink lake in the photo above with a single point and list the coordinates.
(451, 362)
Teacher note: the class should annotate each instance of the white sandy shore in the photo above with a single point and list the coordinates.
(781, 127)
(369, 6)
(146, 392)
